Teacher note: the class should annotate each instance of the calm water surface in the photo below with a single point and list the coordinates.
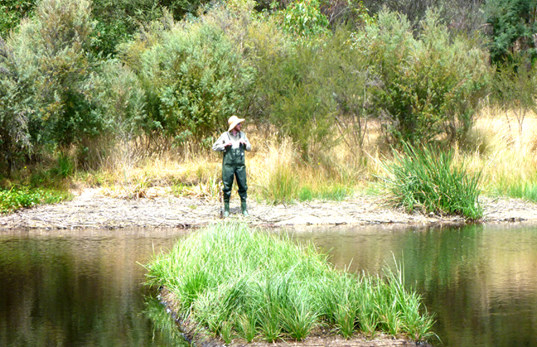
(84, 288)
(481, 282)
(78, 289)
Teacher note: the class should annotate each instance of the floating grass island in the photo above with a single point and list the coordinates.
(234, 283)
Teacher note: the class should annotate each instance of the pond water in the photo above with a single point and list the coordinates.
(84, 288)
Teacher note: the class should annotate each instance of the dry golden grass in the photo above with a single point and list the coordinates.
(497, 146)
(504, 152)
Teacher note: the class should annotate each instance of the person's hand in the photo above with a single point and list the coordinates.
(242, 142)
(227, 144)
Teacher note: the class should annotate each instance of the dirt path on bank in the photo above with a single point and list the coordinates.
(92, 209)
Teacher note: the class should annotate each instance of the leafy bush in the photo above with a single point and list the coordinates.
(424, 88)
(428, 180)
(13, 11)
(304, 18)
(193, 75)
(311, 93)
(457, 15)
(513, 27)
(120, 102)
(267, 48)
(51, 51)
(14, 111)
(301, 109)
(117, 21)
(21, 197)
(515, 87)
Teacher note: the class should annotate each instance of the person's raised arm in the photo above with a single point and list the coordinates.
(221, 144)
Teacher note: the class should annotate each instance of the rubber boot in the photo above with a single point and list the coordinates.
(243, 209)
(226, 209)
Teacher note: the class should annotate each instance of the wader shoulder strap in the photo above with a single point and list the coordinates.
(229, 136)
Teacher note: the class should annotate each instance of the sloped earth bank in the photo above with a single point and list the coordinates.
(91, 209)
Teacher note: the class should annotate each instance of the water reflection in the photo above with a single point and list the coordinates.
(76, 290)
(84, 288)
(480, 281)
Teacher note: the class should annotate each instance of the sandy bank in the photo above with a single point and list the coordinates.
(92, 209)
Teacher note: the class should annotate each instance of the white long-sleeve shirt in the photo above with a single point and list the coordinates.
(227, 137)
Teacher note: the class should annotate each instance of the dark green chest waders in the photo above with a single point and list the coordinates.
(233, 166)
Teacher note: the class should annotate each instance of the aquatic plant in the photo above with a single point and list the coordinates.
(235, 281)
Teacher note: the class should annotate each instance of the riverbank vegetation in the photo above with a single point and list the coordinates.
(128, 96)
(20, 197)
(249, 284)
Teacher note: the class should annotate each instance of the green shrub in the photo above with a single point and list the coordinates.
(515, 87)
(513, 26)
(301, 111)
(233, 281)
(15, 108)
(120, 101)
(118, 20)
(312, 93)
(13, 11)
(426, 179)
(193, 76)
(50, 51)
(21, 197)
(458, 15)
(426, 87)
(304, 18)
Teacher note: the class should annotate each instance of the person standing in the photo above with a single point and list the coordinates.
(233, 143)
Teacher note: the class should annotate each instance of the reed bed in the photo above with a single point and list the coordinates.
(237, 282)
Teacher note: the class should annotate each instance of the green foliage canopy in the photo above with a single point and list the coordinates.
(513, 27)
(12, 12)
(425, 87)
(15, 109)
(193, 75)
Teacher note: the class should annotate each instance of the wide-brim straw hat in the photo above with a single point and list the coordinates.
(233, 121)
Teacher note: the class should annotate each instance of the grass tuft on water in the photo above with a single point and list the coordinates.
(237, 281)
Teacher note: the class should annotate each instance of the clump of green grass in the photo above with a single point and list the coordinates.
(428, 179)
(234, 281)
(18, 197)
(282, 186)
(335, 192)
(521, 188)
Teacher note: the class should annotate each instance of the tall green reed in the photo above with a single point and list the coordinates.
(428, 179)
